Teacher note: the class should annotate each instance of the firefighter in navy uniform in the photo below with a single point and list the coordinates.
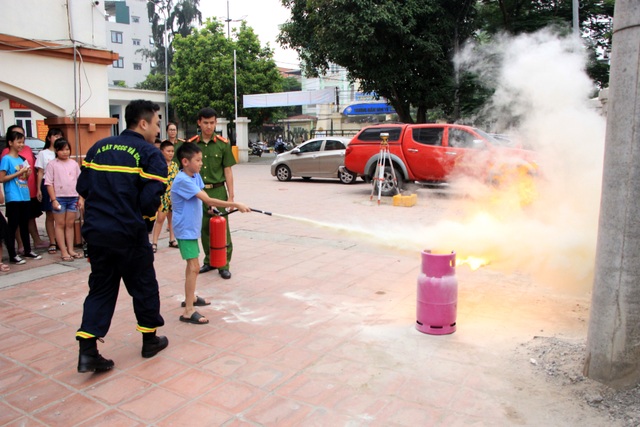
(217, 160)
(122, 179)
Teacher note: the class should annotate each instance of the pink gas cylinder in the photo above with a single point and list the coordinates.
(437, 294)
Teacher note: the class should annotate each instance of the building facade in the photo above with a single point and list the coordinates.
(58, 71)
(128, 33)
(55, 68)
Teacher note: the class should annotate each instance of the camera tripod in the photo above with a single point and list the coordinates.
(384, 159)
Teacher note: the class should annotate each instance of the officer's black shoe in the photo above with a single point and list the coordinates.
(206, 268)
(153, 346)
(94, 363)
(225, 274)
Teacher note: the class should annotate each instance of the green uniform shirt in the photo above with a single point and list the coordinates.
(216, 155)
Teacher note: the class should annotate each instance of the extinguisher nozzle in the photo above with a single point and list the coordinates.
(262, 212)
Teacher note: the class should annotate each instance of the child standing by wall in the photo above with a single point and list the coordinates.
(14, 173)
(42, 160)
(187, 195)
(165, 207)
(4, 268)
(61, 177)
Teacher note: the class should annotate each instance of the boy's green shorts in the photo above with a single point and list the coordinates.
(189, 248)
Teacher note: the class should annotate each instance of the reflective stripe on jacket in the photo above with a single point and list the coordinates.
(122, 179)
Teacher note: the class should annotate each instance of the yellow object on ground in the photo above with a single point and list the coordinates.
(407, 201)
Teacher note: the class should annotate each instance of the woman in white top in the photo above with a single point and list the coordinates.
(42, 160)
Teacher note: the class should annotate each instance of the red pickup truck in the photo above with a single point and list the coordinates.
(434, 154)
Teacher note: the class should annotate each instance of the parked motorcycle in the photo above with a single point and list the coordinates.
(256, 149)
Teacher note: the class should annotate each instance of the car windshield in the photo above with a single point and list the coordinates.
(492, 139)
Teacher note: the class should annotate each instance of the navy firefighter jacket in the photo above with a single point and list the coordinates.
(122, 179)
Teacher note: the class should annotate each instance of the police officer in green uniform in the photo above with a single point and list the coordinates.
(217, 160)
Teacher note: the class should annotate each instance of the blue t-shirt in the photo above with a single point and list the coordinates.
(16, 190)
(187, 208)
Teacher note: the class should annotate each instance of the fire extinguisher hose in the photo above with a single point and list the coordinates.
(217, 212)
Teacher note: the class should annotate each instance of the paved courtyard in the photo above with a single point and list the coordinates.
(315, 328)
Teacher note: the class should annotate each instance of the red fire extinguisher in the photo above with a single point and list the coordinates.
(217, 241)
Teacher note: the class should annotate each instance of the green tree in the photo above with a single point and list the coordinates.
(180, 17)
(521, 16)
(203, 73)
(401, 50)
(154, 81)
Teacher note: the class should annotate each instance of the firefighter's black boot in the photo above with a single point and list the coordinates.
(153, 344)
(90, 359)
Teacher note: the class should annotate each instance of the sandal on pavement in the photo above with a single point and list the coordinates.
(52, 249)
(67, 258)
(76, 255)
(195, 319)
(4, 268)
(154, 247)
(173, 244)
(199, 302)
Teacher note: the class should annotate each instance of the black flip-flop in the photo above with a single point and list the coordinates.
(195, 319)
(199, 302)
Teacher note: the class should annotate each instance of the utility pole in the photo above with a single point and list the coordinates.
(228, 21)
(613, 343)
(165, 41)
(166, 71)
(576, 22)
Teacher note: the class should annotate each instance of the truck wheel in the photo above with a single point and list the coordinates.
(347, 177)
(283, 173)
(388, 186)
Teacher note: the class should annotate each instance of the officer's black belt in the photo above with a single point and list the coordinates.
(216, 185)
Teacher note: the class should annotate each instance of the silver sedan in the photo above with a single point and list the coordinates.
(315, 158)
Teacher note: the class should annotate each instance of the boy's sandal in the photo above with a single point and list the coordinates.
(195, 319)
(173, 244)
(199, 302)
(4, 268)
(154, 247)
(67, 258)
(52, 249)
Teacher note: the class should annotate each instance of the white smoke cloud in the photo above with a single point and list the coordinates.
(542, 91)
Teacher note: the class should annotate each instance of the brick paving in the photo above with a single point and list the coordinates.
(315, 328)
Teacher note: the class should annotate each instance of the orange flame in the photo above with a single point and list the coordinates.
(474, 263)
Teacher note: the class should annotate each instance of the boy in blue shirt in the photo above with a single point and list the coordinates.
(187, 195)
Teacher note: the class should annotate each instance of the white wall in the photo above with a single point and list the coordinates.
(47, 83)
(48, 20)
(120, 97)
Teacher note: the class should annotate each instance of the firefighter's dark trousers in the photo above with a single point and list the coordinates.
(134, 265)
